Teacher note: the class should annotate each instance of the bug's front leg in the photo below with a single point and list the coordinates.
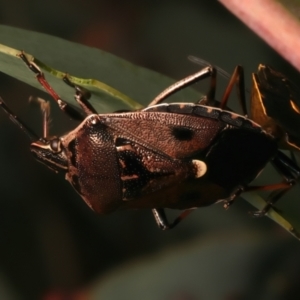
(162, 221)
(72, 112)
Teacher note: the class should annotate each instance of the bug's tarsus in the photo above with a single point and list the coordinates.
(228, 202)
(162, 221)
(72, 112)
(204, 63)
(32, 66)
(81, 96)
(272, 199)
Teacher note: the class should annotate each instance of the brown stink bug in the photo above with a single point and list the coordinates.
(178, 155)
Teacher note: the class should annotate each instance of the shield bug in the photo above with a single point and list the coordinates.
(178, 155)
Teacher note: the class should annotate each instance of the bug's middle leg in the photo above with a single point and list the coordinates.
(81, 96)
(187, 81)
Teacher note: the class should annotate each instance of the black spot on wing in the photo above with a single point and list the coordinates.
(182, 133)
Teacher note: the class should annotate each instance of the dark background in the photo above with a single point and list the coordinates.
(51, 244)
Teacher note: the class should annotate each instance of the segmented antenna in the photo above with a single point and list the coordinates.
(28, 131)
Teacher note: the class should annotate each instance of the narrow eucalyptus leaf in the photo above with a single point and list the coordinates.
(114, 82)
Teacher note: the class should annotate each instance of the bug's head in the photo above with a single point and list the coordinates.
(51, 153)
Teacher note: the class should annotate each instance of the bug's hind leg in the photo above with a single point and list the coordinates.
(72, 112)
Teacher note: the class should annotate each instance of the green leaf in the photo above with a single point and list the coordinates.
(114, 82)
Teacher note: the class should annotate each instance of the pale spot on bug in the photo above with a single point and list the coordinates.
(200, 168)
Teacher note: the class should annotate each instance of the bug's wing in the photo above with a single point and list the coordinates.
(175, 135)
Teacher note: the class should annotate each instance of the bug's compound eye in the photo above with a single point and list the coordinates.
(55, 145)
